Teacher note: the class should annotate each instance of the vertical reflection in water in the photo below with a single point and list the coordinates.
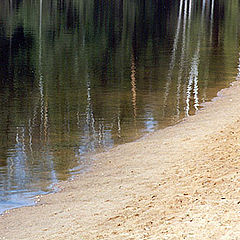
(30, 135)
(182, 57)
(173, 57)
(192, 79)
(10, 38)
(238, 74)
(193, 76)
(195, 79)
(46, 119)
(189, 12)
(10, 4)
(44, 104)
(43, 98)
(211, 21)
(90, 121)
(17, 160)
(133, 83)
(119, 124)
(188, 41)
(189, 22)
(195, 91)
(210, 44)
(204, 5)
(40, 69)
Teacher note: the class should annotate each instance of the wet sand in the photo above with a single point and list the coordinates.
(182, 182)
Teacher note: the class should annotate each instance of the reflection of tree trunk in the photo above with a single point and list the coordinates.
(173, 56)
(189, 22)
(217, 14)
(30, 135)
(238, 75)
(40, 68)
(90, 117)
(211, 21)
(43, 98)
(191, 4)
(133, 83)
(189, 12)
(119, 116)
(45, 118)
(10, 40)
(210, 42)
(182, 58)
(119, 124)
(11, 5)
(193, 76)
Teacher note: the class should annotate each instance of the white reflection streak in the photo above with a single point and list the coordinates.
(46, 120)
(78, 119)
(182, 58)
(23, 140)
(203, 6)
(189, 21)
(119, 125)
(44, 104)
(89, 114)
(195, 79)
(193, 76)
(40, 67)
(175, 43)
(173, 57)
(238, 75)
(184, 27)
(189, 12)
(101, 133)
(211, 21)
(134, 92)
(17, 166)
(195, 91)
(30, 135)
(43, 107)
(188, 35)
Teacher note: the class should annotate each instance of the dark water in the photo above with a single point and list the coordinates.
(80, 76)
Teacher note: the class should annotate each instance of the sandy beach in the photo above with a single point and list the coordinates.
(182, 182)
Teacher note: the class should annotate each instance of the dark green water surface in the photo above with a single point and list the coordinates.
(81, 76)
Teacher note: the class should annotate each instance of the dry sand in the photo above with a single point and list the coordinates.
(182, 182)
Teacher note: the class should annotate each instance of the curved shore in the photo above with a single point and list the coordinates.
(182, 182)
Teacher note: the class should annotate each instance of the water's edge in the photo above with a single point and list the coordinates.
(56, 187)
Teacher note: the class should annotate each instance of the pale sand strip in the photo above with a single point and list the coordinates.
(179, 183)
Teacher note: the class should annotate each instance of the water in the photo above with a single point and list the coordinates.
(81, 76)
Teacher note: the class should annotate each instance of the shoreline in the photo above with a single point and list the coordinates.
(180, 182)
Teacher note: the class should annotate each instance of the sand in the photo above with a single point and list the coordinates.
(182, 182)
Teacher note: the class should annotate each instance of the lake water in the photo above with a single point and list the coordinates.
(81, 76)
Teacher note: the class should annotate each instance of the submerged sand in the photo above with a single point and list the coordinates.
(182, 182)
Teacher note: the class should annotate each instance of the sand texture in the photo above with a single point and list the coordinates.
(182, 182)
